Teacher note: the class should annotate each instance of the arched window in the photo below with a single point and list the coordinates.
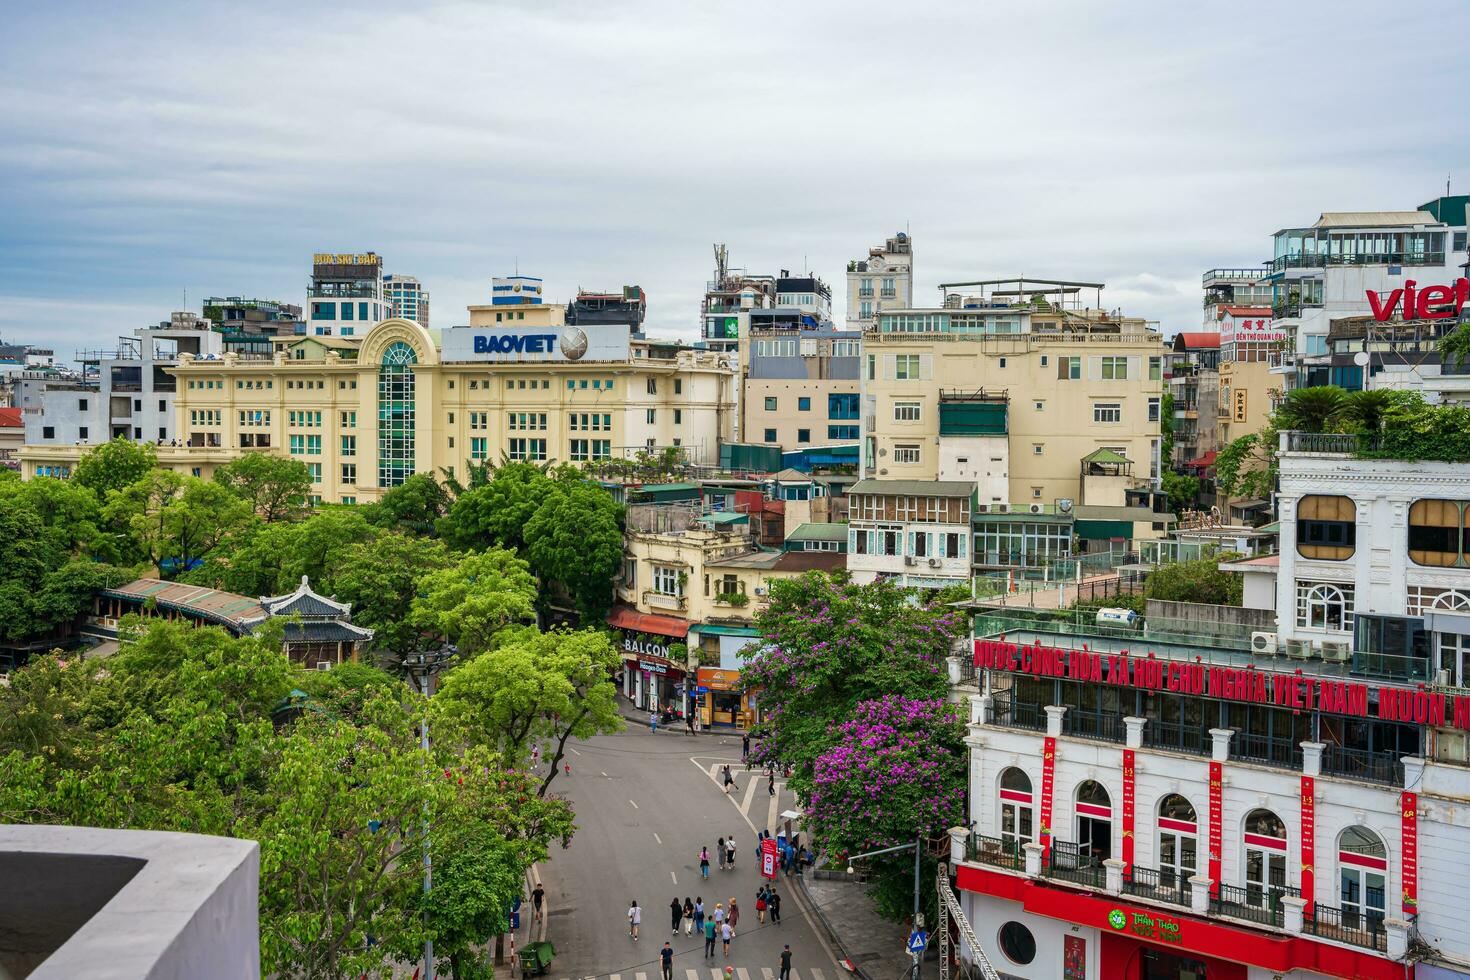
(396, 414)
(1324, 606)
(1265, 858)
(1437, 532)
(1094, 822)
(1362, 875)
(1017, 822)
(1178, 841)
(1326, 527)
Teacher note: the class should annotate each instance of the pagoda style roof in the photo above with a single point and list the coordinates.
(305, 603)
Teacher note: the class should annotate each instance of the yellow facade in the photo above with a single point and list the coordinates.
(793, 413)
(1068, 389)
(1248, 394)
(324, 410)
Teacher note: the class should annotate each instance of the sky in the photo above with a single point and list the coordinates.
(151, 151)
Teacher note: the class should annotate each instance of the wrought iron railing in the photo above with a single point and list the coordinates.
(1283, 752)
(1253, 903)
(1101, 727)
(1066, 863)
(996, 852)
(1176, 738)
(1347, 926)
(1164, 886)
(1372, 767)
(1011, 715)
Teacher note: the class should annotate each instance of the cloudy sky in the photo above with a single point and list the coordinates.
(151, 148)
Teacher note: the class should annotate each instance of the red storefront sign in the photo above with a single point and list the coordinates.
(1409, 805)
(1128, 798)
(1244, 684)
(1429, 303)
(1309, 841)
(768, 858)
(1048, 777)
(1217, 807)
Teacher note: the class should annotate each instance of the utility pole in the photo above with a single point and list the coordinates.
(423, 666)
(918, 846)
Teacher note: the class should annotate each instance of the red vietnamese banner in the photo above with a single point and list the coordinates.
(1128, 797)
(1309, 842)
(768, 858)
(1245, 684)
(1409, 805)
(1217, 806)
(1048, 777)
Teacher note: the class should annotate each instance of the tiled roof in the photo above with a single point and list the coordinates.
(304, 602)
(914, 488)
(10, 418)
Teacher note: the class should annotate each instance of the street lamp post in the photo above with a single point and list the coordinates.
(918, 846)
(422, 666)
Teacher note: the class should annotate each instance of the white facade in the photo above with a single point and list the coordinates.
(882, 281)
(345, 297)
(916, 532)
(133, 395)
(982, 460)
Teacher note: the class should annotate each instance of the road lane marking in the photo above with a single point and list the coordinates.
(767, 973)
(641, 976)
(671, 874)
(749, 795)
(635, 805)
(604, 774)
(692, 974)
(657, 839)
(742, 973)
(773, 812)
(573, 751)
(817, 974)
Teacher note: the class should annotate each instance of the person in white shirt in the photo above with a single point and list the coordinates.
(635, 916)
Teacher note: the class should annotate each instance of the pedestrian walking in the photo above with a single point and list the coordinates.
(773, 900)
(688, 917)
(744, 747)
(704, 862)
(719, 913)
(676, 915)
(709, 939)
(771, 781)
(653, 723)
(698, 914)
(666, 958)
(635, 916)
(727, 934)
(729, 781)
(760, 905)
(786, 963)
(730, 852)
(733, 916)
(720, 852)
(538, 896)
(689, 723)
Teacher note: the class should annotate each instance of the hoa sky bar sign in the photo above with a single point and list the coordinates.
(1246, 684)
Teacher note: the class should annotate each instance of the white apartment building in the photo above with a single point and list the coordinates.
(345, 297)
(1284, 804)
(127, 392)
(914, 531)
(882, 281)
(407, 298)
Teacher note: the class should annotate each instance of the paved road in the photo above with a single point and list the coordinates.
(645, 805)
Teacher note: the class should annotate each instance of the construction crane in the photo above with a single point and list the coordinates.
(949, 905)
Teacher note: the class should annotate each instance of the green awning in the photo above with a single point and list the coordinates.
(1104, 530)
(1105, 456)
(961, 418)
(714, 629)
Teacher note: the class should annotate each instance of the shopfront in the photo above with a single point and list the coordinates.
(654, 667)
(721, 702)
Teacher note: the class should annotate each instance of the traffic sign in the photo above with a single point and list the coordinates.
(918, 940)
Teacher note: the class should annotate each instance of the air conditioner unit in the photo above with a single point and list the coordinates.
(933, 562)
(910, 560)
(323, 665)
(1450, 745)
(1038, 508)
(982, 508)
(1444, 678)
(1262, 642)
(1338, 650)
(760, 590)
(1000, 508)
(1300, 649)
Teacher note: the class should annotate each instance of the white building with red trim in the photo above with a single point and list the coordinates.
(1241, 806)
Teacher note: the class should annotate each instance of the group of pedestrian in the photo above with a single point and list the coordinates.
(768, 900)
(724, 852)
(719, 924)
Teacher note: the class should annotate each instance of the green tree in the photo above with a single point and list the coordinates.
(176, 520)
(113, 466)
(575, 538)
(70, 515)
(496, 513)
(381, 577)
(541, 689)
(467, 604)
(1166, 427)
(42, 585)
(1311, 409)
(1454, 346)
(1196, 581)
(1183, 490)
(1247, 466)
(276, 487)
(413, 506)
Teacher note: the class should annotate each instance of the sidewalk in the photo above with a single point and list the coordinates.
(874, 945)
(638, 718)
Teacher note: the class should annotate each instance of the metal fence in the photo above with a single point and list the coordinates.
(996, 852)
(1100, 727)
(1165, 886)
(1283, 752)
(1253, 903)
(1065, 863)
(1177, 738)
(1372, 767)
(1009, 714)
(1347, 926)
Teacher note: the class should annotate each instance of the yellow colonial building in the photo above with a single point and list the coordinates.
(366, 413)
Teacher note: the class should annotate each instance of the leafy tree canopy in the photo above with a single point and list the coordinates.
(414, 506)
(275, 486)
(1196, 581)
(175, 520)
(575, 538)
(380, 576)
(113, 466)
(468, 603)
(495, 513)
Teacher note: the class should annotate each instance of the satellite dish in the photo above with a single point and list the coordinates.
(1361, 358)
(1064, 506)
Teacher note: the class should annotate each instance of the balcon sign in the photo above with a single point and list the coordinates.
(1413, 303)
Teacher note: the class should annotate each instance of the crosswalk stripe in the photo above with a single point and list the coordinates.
(641, 976)
(714, 770)
(692, 974)
(741, 973)
(749, 795)
(767, 973)
(772, 813)
(817, 974)
(615, 976)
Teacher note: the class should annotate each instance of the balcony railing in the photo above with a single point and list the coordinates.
(996, 852)
(1100, 727)
(342, 292)
(1252, 274)
(1027, 716)
(1163, 886)
(1286, 753)
(1253, 903)
(1360, 764)
(865, 294)
(1326, 442)
(1176, 738)
(888, 293)
(1347, 926)
(1065, 863)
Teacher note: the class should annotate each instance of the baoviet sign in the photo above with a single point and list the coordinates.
(1227, 683)
(1413, 303)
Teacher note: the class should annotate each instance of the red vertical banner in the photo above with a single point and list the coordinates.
(1409, 806)
(1217, 806)
(768, 858)
(1048, 777)
(1128, 782)
(1309, 842)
